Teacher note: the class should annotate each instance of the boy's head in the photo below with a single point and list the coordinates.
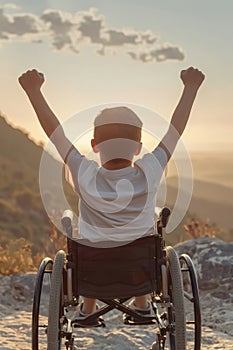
(117, 134)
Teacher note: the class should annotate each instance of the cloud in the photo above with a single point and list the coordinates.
(58, 23)
(101, 51)
(19, 24)
(60, 27)
(91, 25)
(149, 37)
(67, 31)
(11, 6)
(120, 38)
(164, 53)
(168, 52)
(142, 56)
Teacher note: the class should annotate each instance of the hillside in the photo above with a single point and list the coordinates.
(21, 210)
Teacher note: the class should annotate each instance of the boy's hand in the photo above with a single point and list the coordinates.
(32, 80)
(192, 77)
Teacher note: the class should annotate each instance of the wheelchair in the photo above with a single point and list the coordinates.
(113, 276)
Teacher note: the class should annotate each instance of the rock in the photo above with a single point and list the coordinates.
(23, 286)
(16, 290)
(213, 260)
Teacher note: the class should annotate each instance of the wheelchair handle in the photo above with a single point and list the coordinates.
(164, 216)
(66, 220)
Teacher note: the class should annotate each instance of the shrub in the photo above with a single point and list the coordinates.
(16, 257)
(196, 228)
(27, 199)
(8, 212)
(55, 242)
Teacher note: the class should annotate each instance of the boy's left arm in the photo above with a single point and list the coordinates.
(31, 82)
(192, 80)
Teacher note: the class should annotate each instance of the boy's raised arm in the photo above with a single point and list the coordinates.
(192, 80)
(31, 82)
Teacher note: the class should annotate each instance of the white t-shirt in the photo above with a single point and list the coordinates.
(116, 205)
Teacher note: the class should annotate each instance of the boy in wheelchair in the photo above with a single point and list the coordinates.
(117, 200)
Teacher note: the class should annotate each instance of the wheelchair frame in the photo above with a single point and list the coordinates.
(167, 293)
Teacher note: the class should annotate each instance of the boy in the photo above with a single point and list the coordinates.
(117, 200)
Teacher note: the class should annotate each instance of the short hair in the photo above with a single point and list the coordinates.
(117, 122)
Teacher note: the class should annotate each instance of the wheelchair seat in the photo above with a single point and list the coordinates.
(118, 272)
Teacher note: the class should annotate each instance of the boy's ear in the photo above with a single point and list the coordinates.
(138, 150)
(94, 146)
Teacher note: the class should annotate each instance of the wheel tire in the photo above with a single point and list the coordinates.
(176, 293)
(186, 262)
(55, 301)
(45, 268)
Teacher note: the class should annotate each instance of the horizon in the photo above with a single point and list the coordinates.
(86, 145)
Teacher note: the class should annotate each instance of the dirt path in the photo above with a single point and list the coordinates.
(15, 333)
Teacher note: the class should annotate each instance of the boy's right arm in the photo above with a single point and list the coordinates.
(192, 80)
(31, 82)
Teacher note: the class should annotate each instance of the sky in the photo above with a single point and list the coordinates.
(127, 52)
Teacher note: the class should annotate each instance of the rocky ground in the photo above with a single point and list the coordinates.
(213, 260)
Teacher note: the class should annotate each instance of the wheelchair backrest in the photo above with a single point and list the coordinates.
(118, 272)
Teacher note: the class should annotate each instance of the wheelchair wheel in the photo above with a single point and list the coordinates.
(55, 303)
(39, 317)
(175, 312)
(192, 300)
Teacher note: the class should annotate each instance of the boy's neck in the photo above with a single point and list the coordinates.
(120, 164)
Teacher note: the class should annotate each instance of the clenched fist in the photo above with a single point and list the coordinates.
(192, 77)
(31, 80)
